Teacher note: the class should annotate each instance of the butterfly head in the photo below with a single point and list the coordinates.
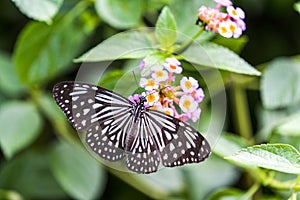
(142, 99)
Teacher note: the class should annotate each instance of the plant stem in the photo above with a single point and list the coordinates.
(241, 112)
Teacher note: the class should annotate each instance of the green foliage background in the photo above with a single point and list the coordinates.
(41, 43)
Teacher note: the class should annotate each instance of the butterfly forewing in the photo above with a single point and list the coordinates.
(101, 113)
(115, 128)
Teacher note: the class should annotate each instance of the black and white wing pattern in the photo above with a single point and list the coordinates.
(117, 128)
(104, 115)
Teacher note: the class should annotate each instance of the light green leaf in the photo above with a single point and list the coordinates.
(228, 144)
(120, 14)
(76, 171)
(280, 84)
(152, 60)
(215, 56)
(279, 157)
(42, 52)
(227, 194)
(297, 7)
(125, 45)
(290, 127)
(10, 83)
(165, 28)
(41, 10)
(20, 123)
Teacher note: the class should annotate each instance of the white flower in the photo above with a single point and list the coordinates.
(168, 111)
(236, 14)
(158, 74)
(188, 84)
(187, 104)
(152, 98)
(148, 84)
(173, 65)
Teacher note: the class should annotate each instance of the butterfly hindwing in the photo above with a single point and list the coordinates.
(179, 143)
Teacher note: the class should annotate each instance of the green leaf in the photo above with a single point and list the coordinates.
(290, 127)
(125, 45)
(297, 7)
(41, 10)
(279, 157)
(30, 175)
(20, 124)
(76, 171)
(215, 56)
(109, 80)
(43, 52)
(227, 194)
(10, 83)
(228, 144)
(165, 28)
(280, 84)
(213, 173)
(120, 14)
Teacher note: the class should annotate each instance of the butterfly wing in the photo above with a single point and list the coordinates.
(178, 143)
(102, 114)
(143, 155)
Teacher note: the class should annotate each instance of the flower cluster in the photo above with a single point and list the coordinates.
(163, 95)
(229, 24)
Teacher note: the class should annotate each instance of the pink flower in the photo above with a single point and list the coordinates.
(198, 95)
(188, 84)
(158, 74)
(224, 2)
(235, 13)
(173, 65)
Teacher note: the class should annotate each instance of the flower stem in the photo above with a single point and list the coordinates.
(182, 47)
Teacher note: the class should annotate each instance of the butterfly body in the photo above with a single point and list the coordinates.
(117, 129)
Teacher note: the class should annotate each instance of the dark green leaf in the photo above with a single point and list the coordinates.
(29, 174)
(9, 80)
(215, 56)
(42, 52)
(20, 123)
(120, 14)
(41, 10)
(131, 44)
(76, 171)
(165, 28)
(280, 157)
(280, 84)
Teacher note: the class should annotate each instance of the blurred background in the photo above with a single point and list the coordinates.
(41, 168)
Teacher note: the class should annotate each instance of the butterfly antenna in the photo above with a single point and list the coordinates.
(136, 82)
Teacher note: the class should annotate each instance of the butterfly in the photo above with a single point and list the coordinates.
(117, 128)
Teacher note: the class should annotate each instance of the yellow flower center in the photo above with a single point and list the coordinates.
(232, 28)
(234, 12)
(188, 84)
(186, 103)
(150, 83)
(224, 30)
(151, 98)
(159, 74)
